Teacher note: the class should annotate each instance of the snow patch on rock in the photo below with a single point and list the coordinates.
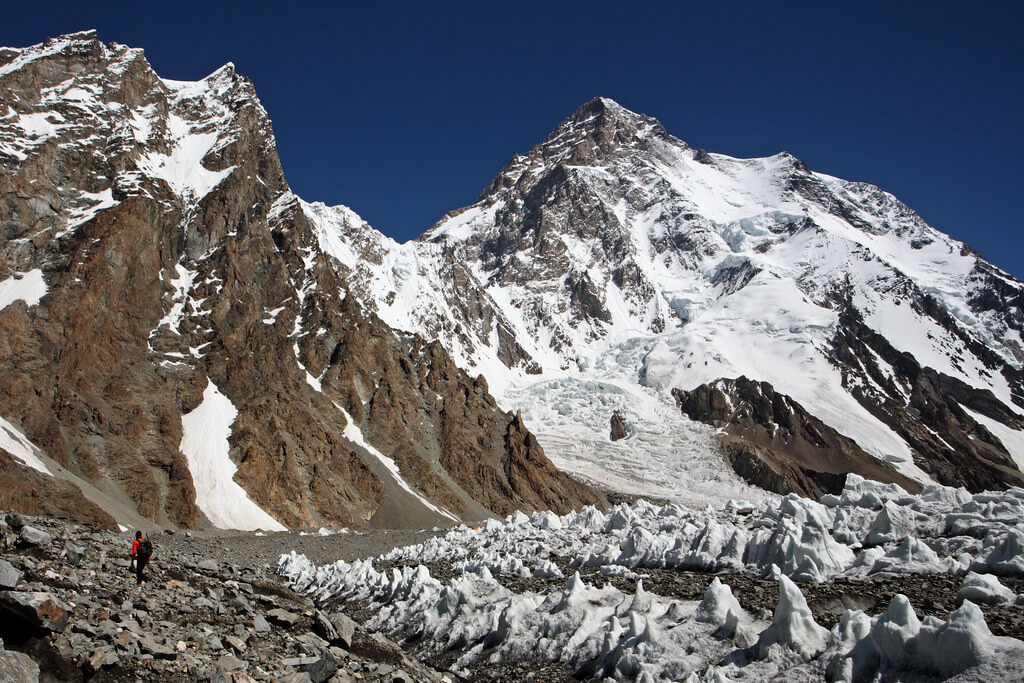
(204, 442)
(14, 441)
(29, 287)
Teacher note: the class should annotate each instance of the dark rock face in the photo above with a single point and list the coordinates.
(618, 427)
(530, 473)
(927, 409)
(168, 282)
(34, 493)
(547, 216)
(773, 442)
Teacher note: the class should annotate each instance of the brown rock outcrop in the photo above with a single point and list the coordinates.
(33, 493)
(773, 442)
(162, 278)
(618, 427)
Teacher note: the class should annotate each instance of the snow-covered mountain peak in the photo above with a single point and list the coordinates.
(599, 271)
(603, 120)
(83, 47)
(614, 247)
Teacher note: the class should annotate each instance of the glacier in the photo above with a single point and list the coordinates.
(604, 633)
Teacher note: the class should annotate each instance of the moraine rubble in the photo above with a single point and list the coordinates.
(70, 610)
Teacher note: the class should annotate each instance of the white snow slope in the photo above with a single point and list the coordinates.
(606, 634)
(204, 441)
(17, 444)
(29, 287)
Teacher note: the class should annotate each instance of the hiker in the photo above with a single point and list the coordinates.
(142, 550)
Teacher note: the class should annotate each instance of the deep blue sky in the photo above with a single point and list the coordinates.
(403, 112)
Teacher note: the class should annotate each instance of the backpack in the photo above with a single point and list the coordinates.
(145, 550)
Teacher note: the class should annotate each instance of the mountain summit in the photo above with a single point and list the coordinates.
(615, 261)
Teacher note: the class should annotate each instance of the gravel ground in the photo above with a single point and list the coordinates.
(248, 549)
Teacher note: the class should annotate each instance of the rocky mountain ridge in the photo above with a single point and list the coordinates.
(190, 343)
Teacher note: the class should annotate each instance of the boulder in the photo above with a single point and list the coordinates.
(100, 659)
(236, 643)
(73, 554)
(38, 610)
(282, 617)
(33, 536)
(230, 664)
(9, 576)
(158, 650)
(296, 677)
(321, 670)
(324, 628)
(344, 628)
(298, 661)
(377, 648)
(14, 521)
(260, 624)
(17, 667)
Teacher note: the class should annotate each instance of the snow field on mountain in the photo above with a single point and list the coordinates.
(802, 238)
(14, 441)
(770, 331)
(603, 632)
(29, 287)
(665, 456)
(182, 168)
(204, 441)
(754, 294)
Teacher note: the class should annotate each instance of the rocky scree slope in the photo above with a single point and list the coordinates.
(613, 244)
(71, 611)
(153, 267)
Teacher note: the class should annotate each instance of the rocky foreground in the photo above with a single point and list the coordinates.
(211, 610)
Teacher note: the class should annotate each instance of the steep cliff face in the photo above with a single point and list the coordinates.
(173, 277)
